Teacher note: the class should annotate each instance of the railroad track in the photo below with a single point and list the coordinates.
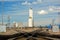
(33, 35)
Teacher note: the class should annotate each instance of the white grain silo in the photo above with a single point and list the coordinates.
(30, 21)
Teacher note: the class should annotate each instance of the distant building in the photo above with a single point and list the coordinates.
(20, 25)
(17, 24)
(55, 28)
(2, 28)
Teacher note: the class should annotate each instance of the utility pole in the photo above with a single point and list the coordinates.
(53, 22)
(59, 18)
(2, 11)
(8, 21)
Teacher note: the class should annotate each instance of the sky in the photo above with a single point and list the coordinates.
(44, 11)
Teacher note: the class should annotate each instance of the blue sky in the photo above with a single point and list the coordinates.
(18, 10)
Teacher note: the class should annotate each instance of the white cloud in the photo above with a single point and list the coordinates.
(51, 9)
(54, 9)
(42, 12)
(26, 3)
(9, 0)
(34, 2)
(39, 1)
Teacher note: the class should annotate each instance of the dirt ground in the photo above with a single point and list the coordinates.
(10, 31)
